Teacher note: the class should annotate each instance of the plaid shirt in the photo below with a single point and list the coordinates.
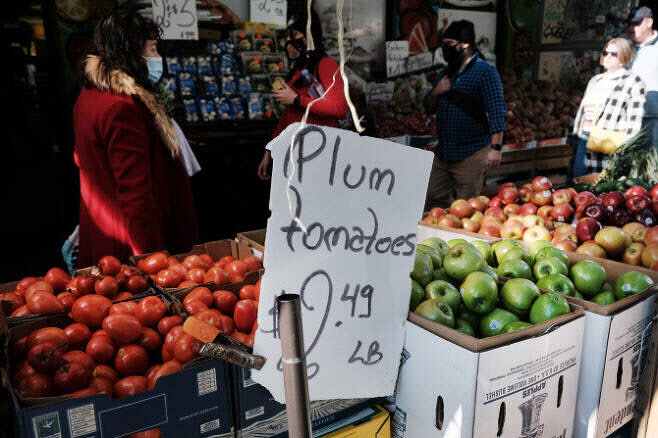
(459, 135)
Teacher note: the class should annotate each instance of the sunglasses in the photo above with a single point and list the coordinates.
(606, 53)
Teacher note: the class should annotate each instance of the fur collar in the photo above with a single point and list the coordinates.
(122, 83)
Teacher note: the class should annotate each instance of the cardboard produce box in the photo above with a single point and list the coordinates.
(254, 240)
(432, 230)
(371, 422)
(216, 249)
(520, 384)
(646, 404)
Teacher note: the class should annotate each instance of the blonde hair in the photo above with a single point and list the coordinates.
(624, 50)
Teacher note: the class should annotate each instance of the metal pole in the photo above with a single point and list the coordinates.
(293, 360)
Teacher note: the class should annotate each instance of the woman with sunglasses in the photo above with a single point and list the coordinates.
(613, 101)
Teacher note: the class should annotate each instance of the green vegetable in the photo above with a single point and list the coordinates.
(635, 160)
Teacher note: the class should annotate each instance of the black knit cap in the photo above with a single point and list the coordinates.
(462, 31)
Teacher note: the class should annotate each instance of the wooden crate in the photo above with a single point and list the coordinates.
(534, 161)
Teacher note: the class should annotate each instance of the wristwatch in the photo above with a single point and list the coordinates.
(496, 146)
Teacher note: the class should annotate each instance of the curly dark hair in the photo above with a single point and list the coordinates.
(119, 40)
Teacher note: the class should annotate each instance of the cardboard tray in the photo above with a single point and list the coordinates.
(216, 249)
(476, 236)
(253, 239)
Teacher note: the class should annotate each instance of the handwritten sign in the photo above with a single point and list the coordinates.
(379, 92)
(420, 61)
(359, 198)
(397, 53)
(177, 19)
(269, 11)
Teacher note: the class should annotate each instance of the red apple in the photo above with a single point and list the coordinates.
(565, 232)
(566, 245)
(468, 225)
(528, 208)
(637, 203)
(572, 192)
(635, 191)
(619, 218)
(437, 212)
(536, 232)
(509, 195)
(654, 207)
(596, 211)
(584, 198)
(461, 208)
(631, 227)
(477, 204)
(591, 249)
(654, 192)
(541, 183)
(525, 194)
(512, 229)
(512, 209)
(531, 220)
(484, 199)
(562, 212)
(490, 230)
(613, 201)
(633, 254)
(504, 186)
(561, 196)
(495, 202)
(477, 217)
(586, 228)
(450, 221)
(544, 212)
(613, 240)
(651, 236)
(497, 212)
(654, 267)
(430, 220)
(650, 255)
(542, 198)
(646, 218)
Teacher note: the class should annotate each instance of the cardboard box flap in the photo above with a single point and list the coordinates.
(253, 239)
(476, 236)
(615, 307)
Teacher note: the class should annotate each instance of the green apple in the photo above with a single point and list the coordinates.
(588, 277)
(479, 292)
(535, 246)
(631, 283)
(603, 298)
(464, 326)
(417, 295)
(437, 260)
(440, 274)
(552, 251)
(436, 311)
(492, 323)
(518, 294)
(515, 326)
(501, 248)
(461, 260)
(439, 245)
(557, 283)
(453, 242)
(548, 306)
(422, 271)
(485, 250)
(518, 253)
(468, 316)
(514, 268)
(443, 291)
(549, 266)
(578, 295)
(607, 287)
(491, 272)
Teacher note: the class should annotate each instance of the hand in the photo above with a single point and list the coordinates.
(493, 158)
(264, 166)
(442, 87)
(285, 96)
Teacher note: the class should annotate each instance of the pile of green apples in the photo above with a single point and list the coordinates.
(454, 284)
(548, 266)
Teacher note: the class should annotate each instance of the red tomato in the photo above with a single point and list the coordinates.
(195, 261)
(15, 298)
(37, 285)
(91, 310)
(129, 271)
(207, 259)
(122, 328)
(151, 433)
(81, 357)
(122, 296)
(168, 278)
(78, 335)
(36, 385)
(167, 323)
(150, 310)
(240, 337)
(171, 260)
(170, 340)
(136, 284)
(67, 299)
(102, 385)
(211, 316)
(44, 357)
(105, 372)
(225, 261)
(154, 263)
(169, 367)
(19, 349)
(216, 275)
(71, 376)
(131, 360)
(20, 311)
(107, 286)
(253, 263)
(194, 307)
(180, 270)
(225, 301)
(188, 283)
(187, 348)
(247, 292)
(149, 339)
(121, 280)
(200, 293)
(85, 285)
(250, 340)
(237, 267)
(23, 370)
(245, 314)
(151, 371)
(166, 355)
(54, 335)
(130, 385)
(109, 265)
(257, 291)
(25, 282)
(123, 308)
(101, 348)
(234, 278)
(83, 393)
(254, 327)
(58, 278)
(44, 303)
(227, 325)
(195, 274)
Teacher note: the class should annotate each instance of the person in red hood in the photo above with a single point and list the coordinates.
(135, 196)
(308, 67)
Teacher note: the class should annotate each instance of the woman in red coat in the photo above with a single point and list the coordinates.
(295, 97)
(135, 196)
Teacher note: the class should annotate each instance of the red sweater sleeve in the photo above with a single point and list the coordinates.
(334, 104)
(129, 156)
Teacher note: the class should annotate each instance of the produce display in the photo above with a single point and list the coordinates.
(58, 292)
(635, 159)
(168, 272)
(454, 284)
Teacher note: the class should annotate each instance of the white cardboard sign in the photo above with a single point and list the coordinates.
(397, 53)
(269, 11)
(177, 19)
(359, 199)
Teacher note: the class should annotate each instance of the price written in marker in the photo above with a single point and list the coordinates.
(177, 19)
(269, 11)
(359, 199)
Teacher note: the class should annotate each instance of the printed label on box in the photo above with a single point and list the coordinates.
(47, 426)
(207, 381)
(253, 413)
(82, 420)
(247, 381)
(210, 425)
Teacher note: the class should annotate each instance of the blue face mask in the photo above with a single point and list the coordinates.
(154, 65)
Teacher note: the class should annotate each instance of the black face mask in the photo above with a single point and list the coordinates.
(451, 54)
(298, 44)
